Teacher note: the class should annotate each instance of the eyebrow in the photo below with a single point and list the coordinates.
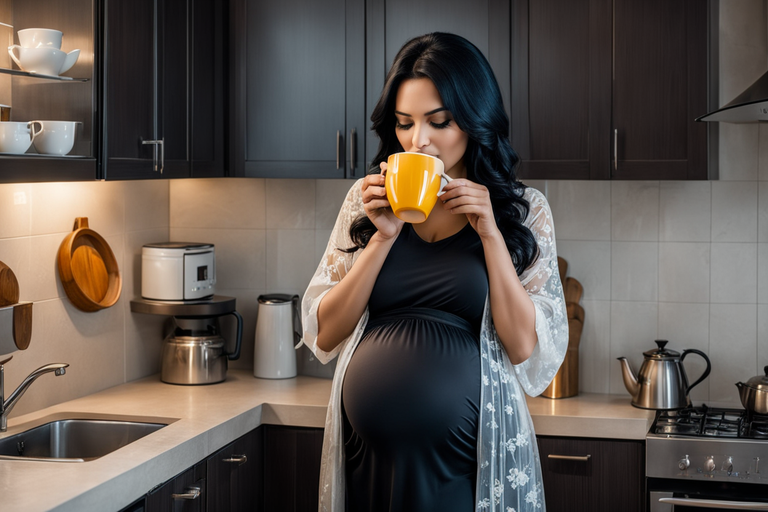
(426, 114)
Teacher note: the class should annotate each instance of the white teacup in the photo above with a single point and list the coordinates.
(40, 38)
(56, 137)
(16, 137)
(43, 61)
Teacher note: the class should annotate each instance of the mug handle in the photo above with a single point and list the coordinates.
(31, 126)
(13, 55)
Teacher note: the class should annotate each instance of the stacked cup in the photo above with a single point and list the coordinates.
(40, 52)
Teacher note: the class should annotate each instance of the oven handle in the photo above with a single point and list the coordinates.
(727, 505)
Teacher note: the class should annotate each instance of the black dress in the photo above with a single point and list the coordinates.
(411, 393)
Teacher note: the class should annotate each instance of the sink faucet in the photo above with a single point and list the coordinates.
(7, 405)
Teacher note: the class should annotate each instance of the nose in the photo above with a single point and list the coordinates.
(420, 136)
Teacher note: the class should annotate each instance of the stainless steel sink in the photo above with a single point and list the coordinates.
(75, 440)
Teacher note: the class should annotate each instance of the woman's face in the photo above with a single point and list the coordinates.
(424, 125)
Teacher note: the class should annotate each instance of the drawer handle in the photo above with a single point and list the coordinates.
(240, 459)
(192, 493)
(579, 458)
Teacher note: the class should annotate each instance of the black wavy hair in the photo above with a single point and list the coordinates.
(468, 89)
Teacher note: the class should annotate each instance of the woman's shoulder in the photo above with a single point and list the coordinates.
(539, 212)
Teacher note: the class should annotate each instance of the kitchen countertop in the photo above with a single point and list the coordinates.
(205, 418)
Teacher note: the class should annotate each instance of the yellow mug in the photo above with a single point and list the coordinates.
(413, 181)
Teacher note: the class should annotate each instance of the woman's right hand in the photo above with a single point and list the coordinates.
(377, 205)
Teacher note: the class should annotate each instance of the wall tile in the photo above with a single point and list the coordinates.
(739, 149)
(762, 152)
(762, 273)
(634, 271)
(635, 211)
(595, 361)
(329, 196)
(684, 272)
(685, 211)
(322, 237)
(233, 203)
(762, 342)
(15, 209)
(633, 329)
(734, 273)
(687, 326)
(240, 254)
(590, 264)
(290, 260)
(44, 274)
(146, 204)
(581, 209)
(290, 204)
(56, 205)
(762, 212)
(733, 350)
(734, 211)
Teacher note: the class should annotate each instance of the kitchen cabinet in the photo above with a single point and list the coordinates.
(292, 468)
(609, 89)
(235, 475)
(71, 99)
(183, 493)
(164, 89)
(306, 76)
(592, 474)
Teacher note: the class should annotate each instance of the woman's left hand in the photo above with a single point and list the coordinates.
(472, 199)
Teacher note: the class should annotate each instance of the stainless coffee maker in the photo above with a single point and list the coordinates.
(196, 352)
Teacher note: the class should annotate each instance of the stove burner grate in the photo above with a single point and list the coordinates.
(707, 422)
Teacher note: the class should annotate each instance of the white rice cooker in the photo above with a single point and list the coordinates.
(178, 271)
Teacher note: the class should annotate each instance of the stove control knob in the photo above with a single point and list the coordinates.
(728, 465)
(710, 464)
(684, 463)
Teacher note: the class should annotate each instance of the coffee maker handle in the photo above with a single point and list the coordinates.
(236, 354)
(703, 375)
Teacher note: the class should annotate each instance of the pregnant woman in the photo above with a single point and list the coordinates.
(441, 326)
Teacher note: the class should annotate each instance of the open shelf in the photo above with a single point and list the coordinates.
(37, 75)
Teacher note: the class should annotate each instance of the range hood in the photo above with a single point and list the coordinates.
(751, 106)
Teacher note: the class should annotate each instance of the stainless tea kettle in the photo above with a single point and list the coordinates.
(661, 382)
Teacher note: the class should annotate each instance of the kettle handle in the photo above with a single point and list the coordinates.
(236, 354)
(703, 375)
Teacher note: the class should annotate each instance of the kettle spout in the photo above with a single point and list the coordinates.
(630, 381)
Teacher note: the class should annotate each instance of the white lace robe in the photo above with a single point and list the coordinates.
(509, 471)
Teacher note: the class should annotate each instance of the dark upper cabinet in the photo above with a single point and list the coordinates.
(306, 76)
(74, 98)
(605, 89)
(164, 89)
(391, 23)
(298, 82)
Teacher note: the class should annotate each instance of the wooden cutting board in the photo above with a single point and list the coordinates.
(9, 286)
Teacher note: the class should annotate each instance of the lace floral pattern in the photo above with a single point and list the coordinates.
(509, 470)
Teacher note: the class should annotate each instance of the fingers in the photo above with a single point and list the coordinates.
(467, 197)
(374, 193)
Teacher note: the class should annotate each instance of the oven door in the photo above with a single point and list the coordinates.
(677, 502)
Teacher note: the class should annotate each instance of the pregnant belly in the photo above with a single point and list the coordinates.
(413, 381)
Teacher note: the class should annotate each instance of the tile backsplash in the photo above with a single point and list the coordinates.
(683, 261)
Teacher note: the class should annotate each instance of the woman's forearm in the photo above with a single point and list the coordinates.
(514, 315)
(341, 308)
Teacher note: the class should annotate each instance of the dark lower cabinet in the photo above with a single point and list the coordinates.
(291, 468)
(271, 468)
(591, 475)
(236, 475)
(184, 493)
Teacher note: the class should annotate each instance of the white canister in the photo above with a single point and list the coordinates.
(278, 329)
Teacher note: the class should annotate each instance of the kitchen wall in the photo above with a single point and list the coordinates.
(683, 261)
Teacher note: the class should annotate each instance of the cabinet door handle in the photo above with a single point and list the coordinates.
(159, 143)
(615, 149)
(338, 148)
(240, 459)
(190, 493)
(352, 156)
(579, 458)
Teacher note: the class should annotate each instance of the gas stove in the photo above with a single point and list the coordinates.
(701, 453)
